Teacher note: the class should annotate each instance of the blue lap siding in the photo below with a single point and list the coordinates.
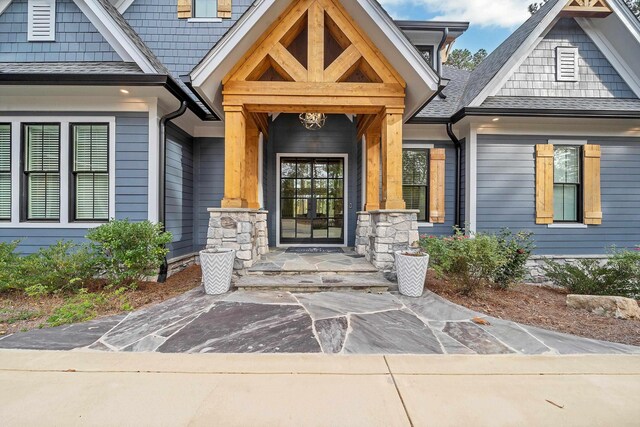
(506, 194)
(179, 191)
(131, 195)
(209, 184)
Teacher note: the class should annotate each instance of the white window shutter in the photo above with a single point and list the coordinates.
(567, 64)
(42, 20)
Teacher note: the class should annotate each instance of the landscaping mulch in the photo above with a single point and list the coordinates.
(19, 312)
(540, 306)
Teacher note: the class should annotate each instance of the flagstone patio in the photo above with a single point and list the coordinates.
(280, 261)
(324, 322)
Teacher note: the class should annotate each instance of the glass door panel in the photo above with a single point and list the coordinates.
(312, 201)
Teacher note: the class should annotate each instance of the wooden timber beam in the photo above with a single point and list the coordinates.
(262, 121)
(586, 9)
(391, 130)
(372, 138)
(235, 134)
(315, 51)
(249, 180)
(286, 64)
(344, 65)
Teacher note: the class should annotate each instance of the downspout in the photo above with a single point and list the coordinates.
(458, 191)
(162, 208)
(445, 35)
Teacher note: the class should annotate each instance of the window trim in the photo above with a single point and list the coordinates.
(16, 176)
(419, 145)
(579, 187)
(73, 214)
(2, 123)
(24, 181)
(580, 223)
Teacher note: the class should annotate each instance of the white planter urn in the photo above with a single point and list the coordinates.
(412, 272)
(217, 269)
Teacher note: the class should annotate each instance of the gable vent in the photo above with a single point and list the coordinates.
(567, 64)
(42, 22)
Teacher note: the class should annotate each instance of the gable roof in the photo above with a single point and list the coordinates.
(441, 109)
(206, 77)
(501, 56)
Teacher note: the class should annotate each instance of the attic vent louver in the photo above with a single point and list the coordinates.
(42, 20)
(567, 64)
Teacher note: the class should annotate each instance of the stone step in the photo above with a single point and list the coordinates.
(373, 282)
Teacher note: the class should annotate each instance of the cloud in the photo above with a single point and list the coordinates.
(483, 13)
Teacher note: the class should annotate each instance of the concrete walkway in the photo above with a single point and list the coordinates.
(106, 389)
(323, 322)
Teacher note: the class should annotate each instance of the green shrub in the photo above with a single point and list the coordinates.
(9, 264)
(80, 308)
(619, 276)
(475, 261)
(61, 267)
(517, 249)
(126, 252)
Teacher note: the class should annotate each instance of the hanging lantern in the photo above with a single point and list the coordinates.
(313, 121)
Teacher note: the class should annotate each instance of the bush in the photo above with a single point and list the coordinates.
(619, 276)
(517, 249)
(485, 259)
(9, 262)
(64, 266)
(126, 252)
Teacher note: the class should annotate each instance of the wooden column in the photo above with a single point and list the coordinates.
(372, 136)
(391, 130)
(235, 134)
(250, 177)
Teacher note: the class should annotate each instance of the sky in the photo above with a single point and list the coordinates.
(491, 21)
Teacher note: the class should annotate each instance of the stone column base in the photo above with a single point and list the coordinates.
(244, 230)
(382, 232)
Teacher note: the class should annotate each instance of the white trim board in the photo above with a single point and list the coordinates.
(4, 4)
(609, 51)
(65, 160)
(345, 158)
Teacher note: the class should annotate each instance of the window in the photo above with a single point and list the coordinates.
(566, 184)
(5, 172)
(415, 178)
(205, 9)
(90, 172)
(42, 171)
(567, 64)
(42, 20)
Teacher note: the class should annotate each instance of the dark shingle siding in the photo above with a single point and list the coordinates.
(179, 44)
(536, 76)
(482, 75)
(77, 40)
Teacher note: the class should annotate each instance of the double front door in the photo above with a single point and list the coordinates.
(312, 200)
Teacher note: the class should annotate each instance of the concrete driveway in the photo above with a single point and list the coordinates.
(323, 322)
(107, 389)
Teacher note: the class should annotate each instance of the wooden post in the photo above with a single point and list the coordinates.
(234, 156)
(391, 129)
(372, 137)
(250, 177)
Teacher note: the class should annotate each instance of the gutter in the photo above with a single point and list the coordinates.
(458, 191)
(162, 194)
(529, 112)
(142, 80)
